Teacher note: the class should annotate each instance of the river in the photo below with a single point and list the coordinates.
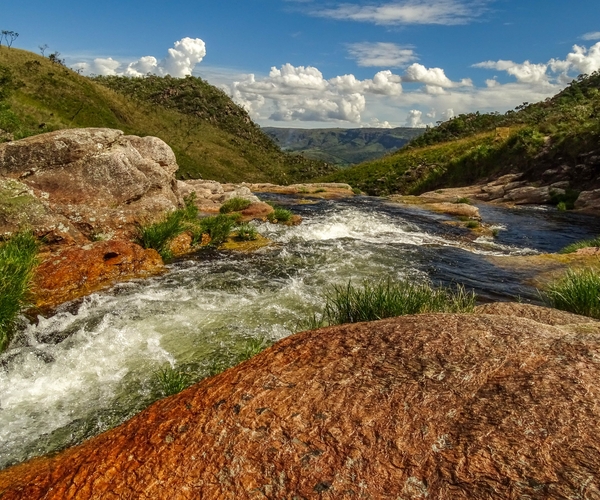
(91, 364)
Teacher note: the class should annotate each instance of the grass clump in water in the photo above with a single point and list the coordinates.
(279, 215)
(160, 234)
(246, 232)
(463, 200)
(472, 224)
(573, 247)
(217, 227)
(18, 258)
(169, 381)
(577, 292)
(385, 299)
(249, 349)
(235, 205)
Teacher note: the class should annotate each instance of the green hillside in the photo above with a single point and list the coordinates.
(212, 137)
(559, 132)
(340, 146)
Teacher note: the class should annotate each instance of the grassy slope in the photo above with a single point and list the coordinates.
(342, 147)
(465, 149)
(213, 139)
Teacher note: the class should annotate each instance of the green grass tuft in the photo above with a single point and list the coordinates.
(18, 258)
(246, 232)
(463, 200)
(573, 247)
(217, 227)
(385, 299)
(160, 234)
(472, 224)
(235, 205)
(279, 215)
(169, 381)
(577, 292)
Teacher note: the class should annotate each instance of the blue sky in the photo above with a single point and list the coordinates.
(303, 63)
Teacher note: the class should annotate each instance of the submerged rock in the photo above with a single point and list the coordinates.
(428, 406)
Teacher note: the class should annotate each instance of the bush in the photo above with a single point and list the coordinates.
(246, 232)
(234, 205)
(160, 234)
(577, 292)
(18, 258)
(279, 215)
(472, 224)
(170, 381)
(573, 247)
(385, 299)
(463, 200)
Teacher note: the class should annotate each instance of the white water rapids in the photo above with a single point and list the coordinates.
(89, 366)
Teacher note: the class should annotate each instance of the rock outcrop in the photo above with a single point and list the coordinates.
(99, 180)
(75, 271)
(427, 406)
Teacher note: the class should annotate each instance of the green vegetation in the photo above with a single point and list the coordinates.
(472, 224)
(573, 247)
(160, 234)
(211, 136)
(474, 146)
(279, 215)
(577, 292)
(169, 381)
(385, 299)
(218, 227)
(463, 200)
(17, 263)
(235, 205)
(340, 146)
(246, 232)
(250, 348)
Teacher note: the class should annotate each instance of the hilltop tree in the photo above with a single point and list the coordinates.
(9, 36)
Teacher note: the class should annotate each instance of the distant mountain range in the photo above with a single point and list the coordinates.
(342, 147)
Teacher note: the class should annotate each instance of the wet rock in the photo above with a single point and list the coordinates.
(437, 406)
(258, 210)
(181, 244)
(531, 195)
(75, 271)
(588, 200)
(458, 209)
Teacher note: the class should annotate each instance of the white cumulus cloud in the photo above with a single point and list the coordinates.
(414, 119)
(525, 72)
(180, 61)
(303, 93)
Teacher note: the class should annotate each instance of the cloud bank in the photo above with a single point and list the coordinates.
(180, 61)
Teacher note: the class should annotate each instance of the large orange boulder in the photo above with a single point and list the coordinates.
(75, 271)
(442, 406)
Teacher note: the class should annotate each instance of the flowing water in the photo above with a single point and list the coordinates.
(90, 365)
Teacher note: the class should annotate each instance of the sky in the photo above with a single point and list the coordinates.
(347, 63)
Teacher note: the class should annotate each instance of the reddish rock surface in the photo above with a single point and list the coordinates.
(433, 406)
(76, 271)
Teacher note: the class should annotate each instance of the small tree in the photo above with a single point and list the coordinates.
(55, 58)
(9, 36)
(43, 49)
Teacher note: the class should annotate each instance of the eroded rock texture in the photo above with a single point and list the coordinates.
(97, 180)
(433, 406)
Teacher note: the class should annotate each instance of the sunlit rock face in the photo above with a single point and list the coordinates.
(99, 180)
(497, 404)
